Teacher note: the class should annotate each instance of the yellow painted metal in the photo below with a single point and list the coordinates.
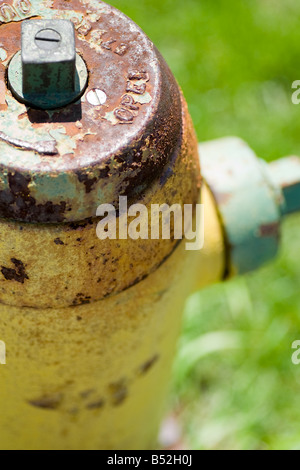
(211, 263)
(91, 326)
(66, 264)
(95, 376)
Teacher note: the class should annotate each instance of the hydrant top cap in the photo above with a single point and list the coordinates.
(59, 165)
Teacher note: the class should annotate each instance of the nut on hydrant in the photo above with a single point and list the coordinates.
(91, 113)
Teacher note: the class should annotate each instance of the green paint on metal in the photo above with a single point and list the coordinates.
(23, 130)
(142, 99)
(3, 54)
(285, 173)
(52, 187)
(248, 202)
(37, 8)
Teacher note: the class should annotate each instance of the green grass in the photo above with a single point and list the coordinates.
(234, 384)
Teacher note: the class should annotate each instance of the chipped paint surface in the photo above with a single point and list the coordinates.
(44, 147)
(73, 373)
(80, 267)
(68, 381)
(119, 145)
(77, 366)
(3, 54)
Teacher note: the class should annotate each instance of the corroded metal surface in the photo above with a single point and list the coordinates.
(96, 376)
(86, 374)
(66, 264)
(104, 150)
(131, 135)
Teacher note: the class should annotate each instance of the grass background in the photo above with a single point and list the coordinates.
(235, 61)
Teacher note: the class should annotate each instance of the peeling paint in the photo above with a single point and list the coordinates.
(3, 54)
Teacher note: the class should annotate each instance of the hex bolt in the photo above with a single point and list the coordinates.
(47, 39)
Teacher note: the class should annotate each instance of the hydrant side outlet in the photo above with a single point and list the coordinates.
(252, 198)
(247, 202)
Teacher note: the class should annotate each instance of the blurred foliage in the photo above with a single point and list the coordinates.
(235, 386)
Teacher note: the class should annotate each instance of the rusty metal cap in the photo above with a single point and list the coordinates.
(60, 165)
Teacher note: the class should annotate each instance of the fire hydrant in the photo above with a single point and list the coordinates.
(90, 325)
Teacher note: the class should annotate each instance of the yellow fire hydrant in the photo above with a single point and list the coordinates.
(90, 324)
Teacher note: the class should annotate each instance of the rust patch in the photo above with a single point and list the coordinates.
(88, 182)
(15, 274)
(96, 405)
(144, 368)
(141, 91)
(86, 393)
(17, 202)
(58, 241)
(81, 299)
(50, 402)
(81, 225)
(118, 392)
(270, 230)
